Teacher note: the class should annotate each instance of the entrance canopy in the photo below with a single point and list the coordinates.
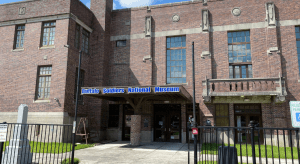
(126, 93)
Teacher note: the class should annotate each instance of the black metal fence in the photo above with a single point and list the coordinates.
(36, 143)
(245, 145)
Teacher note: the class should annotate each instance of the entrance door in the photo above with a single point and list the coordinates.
(127, 112)
(167, 123)
(243, 115)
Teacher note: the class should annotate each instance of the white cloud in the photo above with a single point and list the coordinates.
(114, 5)
(88, 4)
(134, 3)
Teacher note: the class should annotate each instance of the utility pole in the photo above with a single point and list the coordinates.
(76, 107)
(194, 104)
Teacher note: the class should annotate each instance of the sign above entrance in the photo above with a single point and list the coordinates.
(113, 90)
(90, 91)
(139, 90)
(295, 113)
(166, 89)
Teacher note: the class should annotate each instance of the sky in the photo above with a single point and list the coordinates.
(120, 4)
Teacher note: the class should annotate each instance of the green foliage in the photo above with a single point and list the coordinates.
(68, 161)
(40, 147)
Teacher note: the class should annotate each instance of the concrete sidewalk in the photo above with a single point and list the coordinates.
(150, 153)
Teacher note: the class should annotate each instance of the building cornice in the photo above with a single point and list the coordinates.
(46, 18)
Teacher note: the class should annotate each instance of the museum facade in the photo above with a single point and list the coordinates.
(136, 67)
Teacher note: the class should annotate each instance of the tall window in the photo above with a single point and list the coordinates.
(81, 80)
(176, 60)
(239, 54)
(48, 33)
(19, 40)
(222, 115)
(298, 46)
(85, 41)
(44, 81)
(77, 36)
(113, 120)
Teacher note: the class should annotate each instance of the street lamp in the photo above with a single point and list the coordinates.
(76, 107)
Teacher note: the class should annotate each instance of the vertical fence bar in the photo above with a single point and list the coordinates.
(247, 144)
(291, 145)
(278, 145)
(271, 130)
(285, 146)
(55, 143)
(265, 137)
(297, 140)
(252, 126)
(217, 144)
(241, 146)
(199, 143)
(259, 143)
(188, 132)
(234, 142)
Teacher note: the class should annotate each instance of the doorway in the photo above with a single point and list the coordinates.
(167, 122)
(127, 112)
(244, 113)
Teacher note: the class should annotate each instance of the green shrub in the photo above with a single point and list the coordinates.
(68, 161)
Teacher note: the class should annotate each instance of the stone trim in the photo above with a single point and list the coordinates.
(46, 18)
(245, 26)
(19, 49)
(46, 47)
(41, 101)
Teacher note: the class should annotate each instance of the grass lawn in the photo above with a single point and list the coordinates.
(40, 147)
(241, 149)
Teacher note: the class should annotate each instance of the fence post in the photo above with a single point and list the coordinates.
(252, 125)
(1, 148)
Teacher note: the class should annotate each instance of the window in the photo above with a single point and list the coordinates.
(85, 41)
(81, 80)
(19, 40)
(113, 120)
(176, 62)
(121, 43)
(48, 33)
(44, 81)
(77, 36)
(222, 115)
(298, 46)
(239, 54)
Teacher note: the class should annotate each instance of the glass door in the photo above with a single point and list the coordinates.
(173, 131)
(244, 135)
(160, 127)
(127, 112)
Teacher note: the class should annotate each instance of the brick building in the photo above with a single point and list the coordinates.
(137, 64)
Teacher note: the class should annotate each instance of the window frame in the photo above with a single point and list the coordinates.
(121, 44)
(240, 64)
(82, 73)
(216, 117)
(77, 36)
(37, 83)
(85, 34)
(16, 36)
(174, 48)
(42, 36)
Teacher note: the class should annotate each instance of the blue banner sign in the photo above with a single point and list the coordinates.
(166, 89)
(88, 91)
(139, 90)
(113, 90)
(295, 113)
